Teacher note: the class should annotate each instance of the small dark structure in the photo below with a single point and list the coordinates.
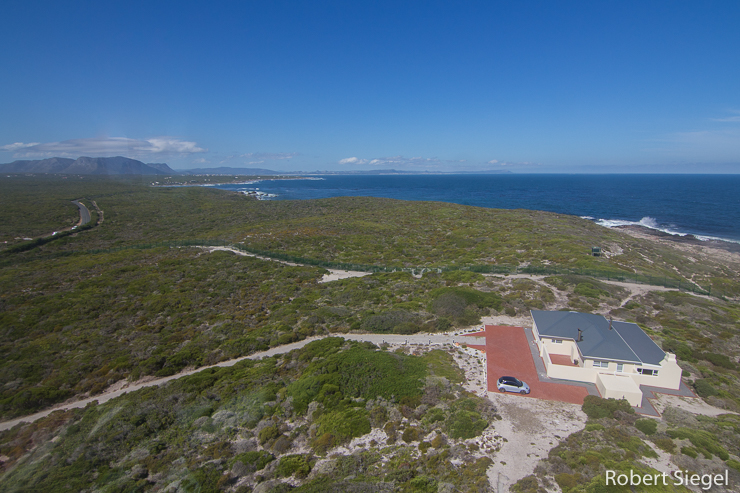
(596, 251)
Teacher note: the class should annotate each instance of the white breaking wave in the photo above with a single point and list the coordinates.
(652, 223)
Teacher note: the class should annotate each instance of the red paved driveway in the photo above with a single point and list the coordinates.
(507, 352)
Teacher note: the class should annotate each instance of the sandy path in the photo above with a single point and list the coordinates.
(333, 275)
(124, 387)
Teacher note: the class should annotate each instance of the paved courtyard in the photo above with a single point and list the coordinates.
(509, 351)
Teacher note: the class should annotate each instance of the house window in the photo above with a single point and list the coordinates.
(601, 364)
(645, 371)
(620, 367)
(557, 341)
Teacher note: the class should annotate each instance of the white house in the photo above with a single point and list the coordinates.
(616, 356)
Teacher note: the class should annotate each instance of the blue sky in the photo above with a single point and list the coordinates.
(523, 86)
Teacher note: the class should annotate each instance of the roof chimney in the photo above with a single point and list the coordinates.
(610, 323)
(580, 335)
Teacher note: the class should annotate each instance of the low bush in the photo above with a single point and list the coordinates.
(465, 424)
(704, 388)
(719, 360)
(255, 461)
(647, 426)
(665, 444)
(268, 433)
(704, 441)
(528, 484)
(567, 481)
(690, 451)
(297, 464)
(596, 407)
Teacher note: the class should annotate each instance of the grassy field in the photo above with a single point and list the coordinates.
(89, 309)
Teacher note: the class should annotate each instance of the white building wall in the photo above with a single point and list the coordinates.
(619, 387)
(669, 374)
(567, 347)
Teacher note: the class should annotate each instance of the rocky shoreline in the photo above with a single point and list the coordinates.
(688, 239)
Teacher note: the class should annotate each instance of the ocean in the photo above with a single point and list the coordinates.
(707, 206)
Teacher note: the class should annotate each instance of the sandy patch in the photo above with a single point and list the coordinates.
(335, 275)
(529, 429)
(690, 404)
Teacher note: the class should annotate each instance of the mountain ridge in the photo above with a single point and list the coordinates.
(84, 165)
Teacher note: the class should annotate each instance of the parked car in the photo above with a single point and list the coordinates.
(511, 384)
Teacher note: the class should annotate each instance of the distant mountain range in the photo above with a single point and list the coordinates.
(126, 166)
(225, 170)
(88, 166)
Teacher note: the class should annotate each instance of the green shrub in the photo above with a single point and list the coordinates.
(434, 415)
(438, 441)
(680, 349)
(596, 407)
(594, 427)
(528, 484)
(387, 322)
(378, 416)
(410, 434)
(719, 360)
(323, 443)
(704, 388)
(465, 424)
(589, 291)
(733, 464)
(218, 450)
(344, 425)
(647, 426)
(462, 276)
(665, 444)
(255, 461)
(690, 451)
(567, 481)
(297, 464)
(704, 441)
(423, 484)
(268, 433)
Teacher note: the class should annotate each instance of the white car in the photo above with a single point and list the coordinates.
(511, 384)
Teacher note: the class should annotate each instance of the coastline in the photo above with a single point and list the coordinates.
(719, 250)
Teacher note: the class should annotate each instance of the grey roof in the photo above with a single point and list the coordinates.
(629, 344)
(644, 347)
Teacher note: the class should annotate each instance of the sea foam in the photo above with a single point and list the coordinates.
(652, 223)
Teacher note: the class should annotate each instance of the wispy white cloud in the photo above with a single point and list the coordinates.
(399, 161)
(17, 146)
(269, 156)
(106, 146)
